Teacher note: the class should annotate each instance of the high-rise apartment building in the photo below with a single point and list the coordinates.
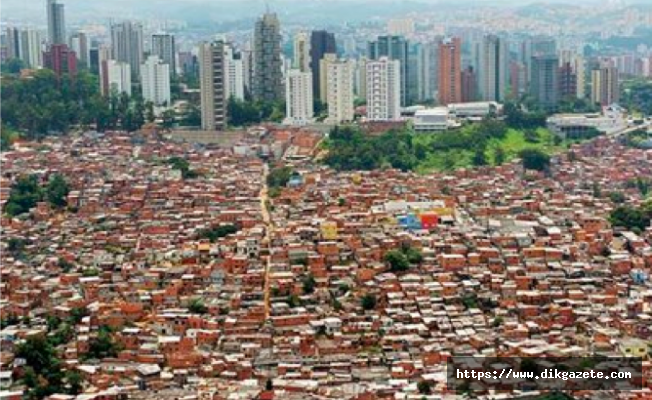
(234, 69)
(127, 43)
(340, 91)
(155, 81)
(301, 52)
(115, 77)
(535, 47)
(61, 59)
(383, 89)
(79, 43)
(56, 22)
(567, 81)
(395, 48)
(164, 47)
(450, 71)
(321, 43)
(493, 69)
(212, 77)
(360, 78)
(298, 100)
(544, 86)
(26, 45)
(328, 59)
(469, 85)
(605, 88)
(267, 64)
(427, 70)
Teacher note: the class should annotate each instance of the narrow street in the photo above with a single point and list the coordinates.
(267, 241)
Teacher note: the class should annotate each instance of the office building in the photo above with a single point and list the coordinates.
(267, 76)
(427, 71)
(298, 100)
(127, 43)
(321, 43)
(163, 46)
(493, 69)
(212, 76)
(301, 51)
(56, 22)
(115, 77)
(340, 91)
(155, 81)
(544, 86)
(79, 43)
(234, 84)
(395, 48)
(61, 59)
(383, 89)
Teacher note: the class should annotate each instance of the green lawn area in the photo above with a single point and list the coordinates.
(513, 142)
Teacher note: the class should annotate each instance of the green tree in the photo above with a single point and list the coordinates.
(57, 191)
(535, 159)
(631, 217)
(368, 302)
(103, 345)
(217, 232)
(479, 157)
(424, 387)
(617, 197)
(13, 66)
(499, 155)
(24, 195)
(279, 177)
(309, 284)
(197, 306)
(397, 261)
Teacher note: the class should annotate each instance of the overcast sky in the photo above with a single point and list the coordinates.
(34, 10)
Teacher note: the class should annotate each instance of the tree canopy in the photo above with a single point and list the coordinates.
(27, 192)
(43, 104)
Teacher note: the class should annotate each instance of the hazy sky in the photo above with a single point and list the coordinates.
(76, 10)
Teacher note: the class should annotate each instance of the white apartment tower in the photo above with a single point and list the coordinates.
(155, 77)
(234, 68)
(127, 44)
(493, 68)
(301, 59)
(298, 97)
(115, 77)
(164, 47)
(383, 90)
(339, 77)
(212, 77)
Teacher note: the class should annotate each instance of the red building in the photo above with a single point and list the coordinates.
(469, 84)
(61, 59)
(450, 71)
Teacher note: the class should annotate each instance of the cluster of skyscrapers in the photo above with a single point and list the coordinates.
(393, 72)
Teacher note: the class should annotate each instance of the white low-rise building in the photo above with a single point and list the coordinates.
(576, 126)
(433, 119)
(475, 110)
